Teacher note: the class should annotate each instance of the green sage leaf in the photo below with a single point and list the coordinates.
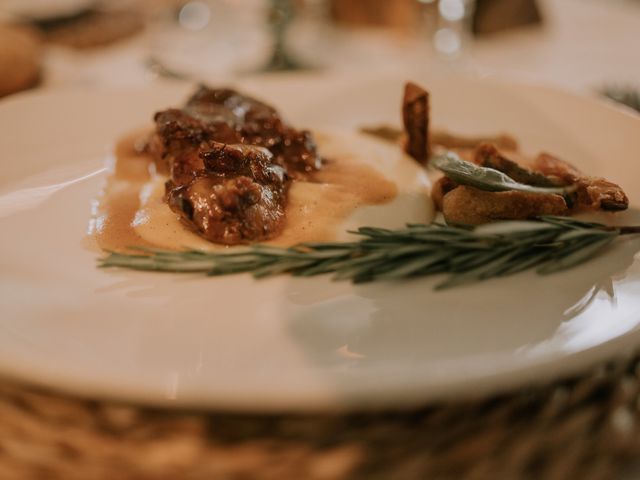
(488, 179)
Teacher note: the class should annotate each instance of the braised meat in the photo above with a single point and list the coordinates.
(224, 115)
(227, 105)
(297, 153)
(245, 160)
(180, 138)
(230, 158)
(238, 197)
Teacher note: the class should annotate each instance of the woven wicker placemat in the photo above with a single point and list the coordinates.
(584, 427)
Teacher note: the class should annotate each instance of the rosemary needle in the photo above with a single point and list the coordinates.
(548, 245)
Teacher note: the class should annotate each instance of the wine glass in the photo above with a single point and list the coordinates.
(448, 22)
(281, 15)
(205, 39)
(219, 38)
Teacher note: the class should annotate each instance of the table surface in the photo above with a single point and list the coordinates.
(582, 45)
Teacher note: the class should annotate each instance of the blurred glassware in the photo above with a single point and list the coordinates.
(212, 38)
(281, 15)
(201, 39)
(448, 24)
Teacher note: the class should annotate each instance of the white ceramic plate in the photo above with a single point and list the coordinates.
(285, 343)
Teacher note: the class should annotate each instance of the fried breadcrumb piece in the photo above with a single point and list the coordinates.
(440, 188)
(592, 193)
(470, 206)
(466, 205)
(415, 117)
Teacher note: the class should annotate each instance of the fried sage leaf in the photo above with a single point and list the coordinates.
(467, 173)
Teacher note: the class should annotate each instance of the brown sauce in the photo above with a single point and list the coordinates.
(131, 211)
(117, 204)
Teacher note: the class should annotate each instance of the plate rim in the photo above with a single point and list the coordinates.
(574, 361)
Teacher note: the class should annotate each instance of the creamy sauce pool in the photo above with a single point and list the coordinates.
(131, 211)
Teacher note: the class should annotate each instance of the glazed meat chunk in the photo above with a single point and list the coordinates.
(180, 138)
(230, 159)
(256, 123)
(238, 197)
(224, 115)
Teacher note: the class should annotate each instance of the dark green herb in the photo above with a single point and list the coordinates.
(467, 173)
(466, 255)
(628, 96)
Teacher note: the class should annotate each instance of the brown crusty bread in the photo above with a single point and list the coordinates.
(20, 58)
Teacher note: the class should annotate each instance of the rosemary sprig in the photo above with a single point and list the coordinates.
(628, 96)
(548, 245)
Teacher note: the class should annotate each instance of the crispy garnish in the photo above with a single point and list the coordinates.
(440, 188)
(591, 192)
(488, 179)
(487, 155)
(466, 205)
(415, 117)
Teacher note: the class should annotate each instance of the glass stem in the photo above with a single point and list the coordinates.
(280, 17)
